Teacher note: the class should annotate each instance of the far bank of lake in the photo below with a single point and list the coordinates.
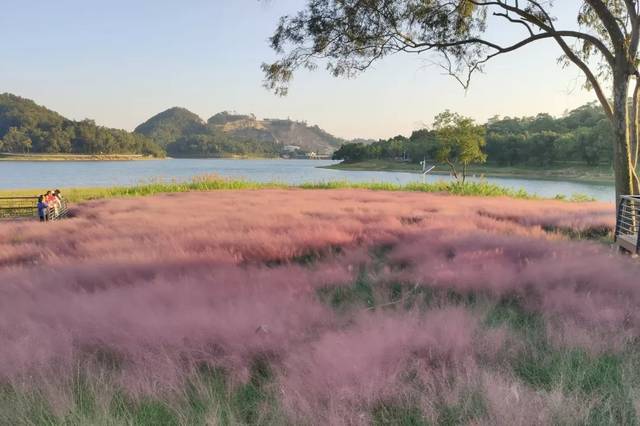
(39, 175)
(570, 172)
(75, 157)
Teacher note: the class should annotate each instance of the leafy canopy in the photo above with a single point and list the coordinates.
(349, 35)
(459, 140)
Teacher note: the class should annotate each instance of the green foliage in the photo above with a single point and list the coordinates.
(359, 293)
(458, 141)
(143, 412)
(28, 127)
(544, 367)
(471, 406)
(16, 140)
(576, 372)
(393, 414)
(582, 136)
(353, 152)
(214, 143)
(510, 312)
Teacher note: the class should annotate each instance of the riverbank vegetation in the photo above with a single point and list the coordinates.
(216, 182)
(317, 307)
(566, 172)
(582, 138)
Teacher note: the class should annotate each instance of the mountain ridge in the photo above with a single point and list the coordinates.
(27, 127)
(179, 124)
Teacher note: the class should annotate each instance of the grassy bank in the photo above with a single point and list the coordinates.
(207, 183)
(572, 172)
(74, 157)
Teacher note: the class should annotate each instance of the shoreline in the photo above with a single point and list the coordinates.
(77, 157)
(125, 157)
(477, 189)
(569, 174)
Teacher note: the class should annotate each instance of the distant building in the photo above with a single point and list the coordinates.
(323, 157)
(291, 148)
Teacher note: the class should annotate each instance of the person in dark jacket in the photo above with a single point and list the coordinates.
(43, 209)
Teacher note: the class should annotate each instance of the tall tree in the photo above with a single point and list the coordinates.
(350, 35)
(459, 140)
(16, 141)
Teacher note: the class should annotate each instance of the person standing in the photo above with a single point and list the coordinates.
(42, 209)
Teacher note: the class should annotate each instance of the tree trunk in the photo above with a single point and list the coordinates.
(453, 169)
(622, 142)
(634, 127)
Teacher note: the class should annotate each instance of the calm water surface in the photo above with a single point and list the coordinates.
(27, 174)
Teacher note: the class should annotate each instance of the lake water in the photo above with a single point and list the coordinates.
(27, 174)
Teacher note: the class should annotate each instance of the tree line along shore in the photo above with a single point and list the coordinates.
(576, 146)
(567, 172)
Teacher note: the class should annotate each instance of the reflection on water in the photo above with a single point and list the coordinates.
(21, 174)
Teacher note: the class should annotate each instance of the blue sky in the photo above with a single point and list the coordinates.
(120, 62)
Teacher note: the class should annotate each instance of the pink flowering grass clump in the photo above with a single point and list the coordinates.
(370, 360)
(317, 307)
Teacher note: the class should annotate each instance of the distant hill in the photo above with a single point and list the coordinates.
(28, 127)
(281, 131)
(170, 125)
(184, 133)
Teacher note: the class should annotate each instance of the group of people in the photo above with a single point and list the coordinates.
(50, 205)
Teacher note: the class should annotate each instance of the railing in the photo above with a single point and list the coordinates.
(16, 207)
(58, 212)
(628, 224)
(27, 207)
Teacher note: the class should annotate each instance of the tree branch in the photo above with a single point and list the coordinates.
(516, 21)
(591, 78)
(549, 27)
(610, 23)
(635, 27)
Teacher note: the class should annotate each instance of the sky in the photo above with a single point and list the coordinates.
(120, 62)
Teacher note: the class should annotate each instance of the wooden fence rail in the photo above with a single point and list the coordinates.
(27, 207)
(628, 224)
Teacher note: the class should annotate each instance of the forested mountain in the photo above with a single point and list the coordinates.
(28, 127)
(168, 126)
(183, 133)
(583, 135)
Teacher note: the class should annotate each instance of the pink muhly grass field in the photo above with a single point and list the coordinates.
(367, 306)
